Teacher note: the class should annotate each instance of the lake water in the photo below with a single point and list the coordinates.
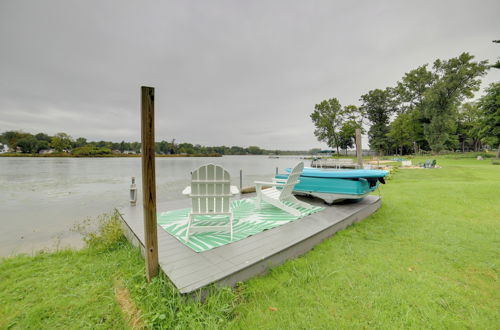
(42, 198)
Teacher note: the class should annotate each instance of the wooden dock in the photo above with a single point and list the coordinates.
(190, 271)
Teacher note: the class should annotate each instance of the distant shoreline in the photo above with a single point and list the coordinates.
(64, 155)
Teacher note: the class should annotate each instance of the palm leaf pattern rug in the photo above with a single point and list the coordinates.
(248, 220)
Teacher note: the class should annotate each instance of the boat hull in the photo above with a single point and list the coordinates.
(334, 186)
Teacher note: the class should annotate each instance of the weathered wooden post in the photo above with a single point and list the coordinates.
(359, 148)
(149, 180)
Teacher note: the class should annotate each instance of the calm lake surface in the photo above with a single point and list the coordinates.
(41, 199)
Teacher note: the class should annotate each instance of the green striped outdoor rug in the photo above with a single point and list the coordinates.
(248, 220)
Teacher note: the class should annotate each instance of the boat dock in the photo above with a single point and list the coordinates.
(238, 261)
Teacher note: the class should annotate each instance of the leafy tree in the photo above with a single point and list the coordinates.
(42, 145)
(409, 96)
(135, 147)
(417, 130)
(328, 117)
(43, 137)
(114, 146)
(454, 80)
(90, 151)
(186, 148)
(221, 150)
(253, 150)
(348, 134)
(11, 138)
(497, 64)
(400, 132)
(28, 144)
(313, 151)
(409, 92)
(490, 105)
(163, 147)
(379, 105)
(235, 150)
(60, 142)
(469, 123)
(174, 148)
(354, 113)
(80, 142)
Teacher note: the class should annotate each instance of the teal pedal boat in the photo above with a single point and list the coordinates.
(336, 185)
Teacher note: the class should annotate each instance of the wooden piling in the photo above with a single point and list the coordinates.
(149, 180)
(359, 148)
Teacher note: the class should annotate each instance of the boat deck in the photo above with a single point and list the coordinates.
(238, 261)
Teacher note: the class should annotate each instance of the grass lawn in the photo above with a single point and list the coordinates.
(427, 259)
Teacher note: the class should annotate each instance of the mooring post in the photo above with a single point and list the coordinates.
(241, 180)
(359, 148)
(276, 170)
(149, 180)
(133, 193)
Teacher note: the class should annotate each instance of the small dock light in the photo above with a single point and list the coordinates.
(133, 192)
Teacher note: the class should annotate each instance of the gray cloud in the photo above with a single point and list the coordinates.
(225, 72)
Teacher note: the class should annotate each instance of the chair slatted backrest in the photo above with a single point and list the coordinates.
(292, 180)
(210, 189)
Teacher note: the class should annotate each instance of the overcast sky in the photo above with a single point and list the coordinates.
(225, 72)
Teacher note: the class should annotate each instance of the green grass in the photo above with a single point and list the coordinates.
(427, 259)
(77, 289)
(63, 290)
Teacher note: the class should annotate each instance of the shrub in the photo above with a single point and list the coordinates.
(90, 151)
(103, 233)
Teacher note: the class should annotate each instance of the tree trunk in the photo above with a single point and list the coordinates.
(498, 151)
(338, 154)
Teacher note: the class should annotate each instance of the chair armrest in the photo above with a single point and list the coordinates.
(263, 183)
(234, 190)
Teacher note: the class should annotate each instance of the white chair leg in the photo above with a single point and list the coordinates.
(231, 224)
(293, 199)
(291, 210)
(285, 207)
(190, 218)
(258, 190)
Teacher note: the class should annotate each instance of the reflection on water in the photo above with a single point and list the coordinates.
(41, 198)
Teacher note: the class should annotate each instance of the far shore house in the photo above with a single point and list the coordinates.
(46, 151)
(3, 148)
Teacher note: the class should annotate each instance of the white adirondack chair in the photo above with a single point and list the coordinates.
(276, 196)
(210, 193)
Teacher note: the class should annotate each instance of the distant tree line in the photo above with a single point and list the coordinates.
(424, 111)
(28, 143)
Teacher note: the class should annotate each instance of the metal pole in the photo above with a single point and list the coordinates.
(149, 180)
(241, 180)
